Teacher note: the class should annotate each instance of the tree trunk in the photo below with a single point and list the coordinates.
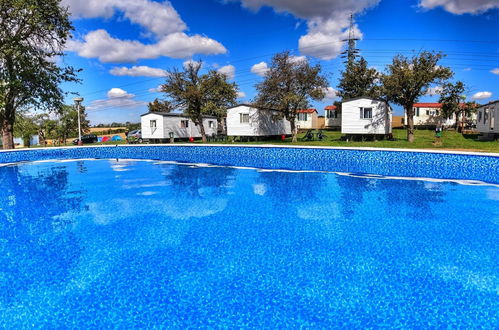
(293, 130)
(410, 124)
(203, 133)
(7, 135)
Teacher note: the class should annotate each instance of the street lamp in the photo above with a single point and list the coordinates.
(78, 101)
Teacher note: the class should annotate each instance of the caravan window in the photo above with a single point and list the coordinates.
(184, 123)
(211, 124)
(485, 115)
(479, 116)
(331, 114)
(366, 113)
(152, 124)
(302, 116)
(244, 117)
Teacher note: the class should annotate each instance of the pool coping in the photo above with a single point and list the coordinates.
(473, 153)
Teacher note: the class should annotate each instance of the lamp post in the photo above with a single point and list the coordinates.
(78, 101)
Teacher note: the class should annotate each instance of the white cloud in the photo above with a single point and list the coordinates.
(331, 93)
(241, 95)
(467, 69)
(481, 95)
(327, 21)
(186, 63)
(155, 89)
(159, 18)
(495, 71)
(260, 69)
(461, 6)
(434, 90)
(99, 44)
(229, 71)
(138, 71)
(116, 98)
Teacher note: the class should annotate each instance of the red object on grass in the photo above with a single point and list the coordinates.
(191, 139)
(283, 137)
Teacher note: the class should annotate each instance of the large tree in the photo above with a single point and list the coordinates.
(198, 95)
(159, 106)
(289, 85)
(67, 125)
(32, 35)
(408, 79)
(359, 80)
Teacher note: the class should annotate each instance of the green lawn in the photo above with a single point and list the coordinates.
(451, 140)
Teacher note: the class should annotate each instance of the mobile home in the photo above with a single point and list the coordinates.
(366, 116)
(247, 121)
(487, 121)
(157, 126)
(333, 117)
(307, 119)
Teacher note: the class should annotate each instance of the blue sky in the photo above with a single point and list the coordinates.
(125, 46)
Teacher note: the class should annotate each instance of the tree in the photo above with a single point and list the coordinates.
(451, 98)
(198, 95)
(25, 127)
(67, 126)
(358, 80)
(409, 78)
(159, 106)
(289, 85)
(32, 34)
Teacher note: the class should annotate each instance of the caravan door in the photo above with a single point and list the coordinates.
(492, 118)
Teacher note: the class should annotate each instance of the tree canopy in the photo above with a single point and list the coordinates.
(451, 98)
(32, 34)
(289, 85)
(358, 80)
(407, 79)
(159, 106)
(198, 95)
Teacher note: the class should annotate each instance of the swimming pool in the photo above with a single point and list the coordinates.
(121, 242)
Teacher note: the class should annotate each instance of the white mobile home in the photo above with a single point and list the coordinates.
(366, 116)
(333, 117)
(487, 121)
(429, 115)
(245, 120)
(157, 126)
(307, 119)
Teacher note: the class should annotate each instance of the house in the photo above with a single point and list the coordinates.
(429, 115)
(157, 126)
(307, 119)
(333, 117)
(247, 121)
(487, 121)
(366, 116)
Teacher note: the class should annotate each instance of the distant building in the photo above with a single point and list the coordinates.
(429, 115)
(307, 119)
(333, 117)
(487, 121)
(247, 121)
(157, 126)
(366, 116)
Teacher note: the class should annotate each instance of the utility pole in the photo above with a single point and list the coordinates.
(351, 52)
(78, 101)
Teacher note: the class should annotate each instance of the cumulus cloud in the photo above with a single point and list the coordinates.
(138, 71)
(99, 44)
(434, 90)
(260, 69)
(116, 98)
(155, 89)
(331, 94)
(159, 19)
(481, 95)
(241, 95)
(327, 21)
(495, 71)
(229, 71)
(461, 6)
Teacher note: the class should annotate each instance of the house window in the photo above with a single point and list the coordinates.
(152, 123)
(485, 115)
(416, 111)
(244, 118)
(432, 112)
(479, 116)
(366, 113)
(331, 114)
(211, 124)
(184, 123)
(302, 116)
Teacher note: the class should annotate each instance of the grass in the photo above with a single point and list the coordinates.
(424, 139)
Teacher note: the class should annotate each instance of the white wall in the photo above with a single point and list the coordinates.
(166, 124)
(261, 122)
(351, 123)
(310, 123)
(488, 118)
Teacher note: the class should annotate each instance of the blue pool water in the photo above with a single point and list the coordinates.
(123, 243)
